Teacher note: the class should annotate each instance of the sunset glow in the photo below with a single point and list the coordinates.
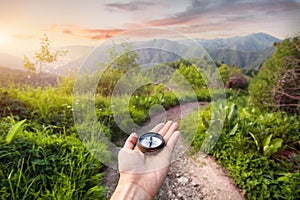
(90, 22)
(3, 38)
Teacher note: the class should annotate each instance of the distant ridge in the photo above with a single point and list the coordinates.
(250, 43)
(10, 61)
(248, 51)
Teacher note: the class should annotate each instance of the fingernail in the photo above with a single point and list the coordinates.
(134, 135)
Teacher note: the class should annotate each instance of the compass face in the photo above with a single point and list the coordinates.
(151, 141)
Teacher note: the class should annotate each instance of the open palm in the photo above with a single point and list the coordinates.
(148, 170)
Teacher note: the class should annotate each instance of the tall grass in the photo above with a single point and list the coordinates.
(35, 165)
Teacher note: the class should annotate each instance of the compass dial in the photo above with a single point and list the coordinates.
(150, 142)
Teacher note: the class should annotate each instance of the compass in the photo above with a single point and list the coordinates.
(150, 142)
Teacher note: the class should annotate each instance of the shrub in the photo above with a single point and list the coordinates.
(260, 150)
(238, 82)
(276, 86)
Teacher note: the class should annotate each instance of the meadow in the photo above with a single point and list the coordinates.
(42, 156)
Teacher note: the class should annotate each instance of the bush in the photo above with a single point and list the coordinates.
(237, 82)
(276, 86)
(35, 165)
(233, 77)
(260, 150)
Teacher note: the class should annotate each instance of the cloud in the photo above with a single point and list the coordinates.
(94, 34)
(130, 6)
(226, 10)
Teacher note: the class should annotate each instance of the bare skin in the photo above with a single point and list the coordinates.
(142, 175)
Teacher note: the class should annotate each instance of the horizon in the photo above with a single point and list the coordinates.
(90, 24)
(98, 43)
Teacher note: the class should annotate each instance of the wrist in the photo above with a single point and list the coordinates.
(130, 190)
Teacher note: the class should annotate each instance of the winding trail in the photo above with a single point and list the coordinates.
(190, 177)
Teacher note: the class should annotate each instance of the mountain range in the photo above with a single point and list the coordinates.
(242, 51)
(247, 52)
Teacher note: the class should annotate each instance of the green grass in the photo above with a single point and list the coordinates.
(260, 150)
(38, 165)
(42, 156)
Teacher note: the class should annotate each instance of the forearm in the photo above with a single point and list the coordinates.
(129, 191)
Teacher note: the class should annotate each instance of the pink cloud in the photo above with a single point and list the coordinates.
(94, 34)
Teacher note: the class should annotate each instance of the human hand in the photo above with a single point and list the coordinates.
(142, 174)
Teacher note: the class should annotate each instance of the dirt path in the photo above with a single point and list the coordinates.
(190, 177)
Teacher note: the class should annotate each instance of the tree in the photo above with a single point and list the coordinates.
(277, 85)
(42, 57)
(122, 59)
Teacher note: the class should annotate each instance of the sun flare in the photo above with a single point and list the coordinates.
(3, 38)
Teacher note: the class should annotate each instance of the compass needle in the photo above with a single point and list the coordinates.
(150, 142)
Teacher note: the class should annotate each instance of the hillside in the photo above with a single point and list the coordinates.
(21, 77)
(250, 43)
(241, 59)
(10, 61)
(242, 51)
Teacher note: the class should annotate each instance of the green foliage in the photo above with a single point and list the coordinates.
(260, 150)
(65, 85)
(276, 86)
(224, 71)
(11, 105)
(122, 59)
(16, 128)
(192, 75)
(28, 65)
(233, 77)
(38, 165)
(42, 157)
(109, 79)
(43, 56)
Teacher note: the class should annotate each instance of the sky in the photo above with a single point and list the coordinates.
(90, 22)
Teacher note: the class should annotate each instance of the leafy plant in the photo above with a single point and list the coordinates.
(276, 86)
(14, 130)
(34, 165)
(260, 150)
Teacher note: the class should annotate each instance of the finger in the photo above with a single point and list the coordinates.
(165, 129)
(173, 139)
(171, 130)
(131, 141)
(158, 127)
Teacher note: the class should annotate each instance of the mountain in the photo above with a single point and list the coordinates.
(10, 61)
(69, 63)
(250, 43)
(241, 59)
(159, 51)
(242, 51)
